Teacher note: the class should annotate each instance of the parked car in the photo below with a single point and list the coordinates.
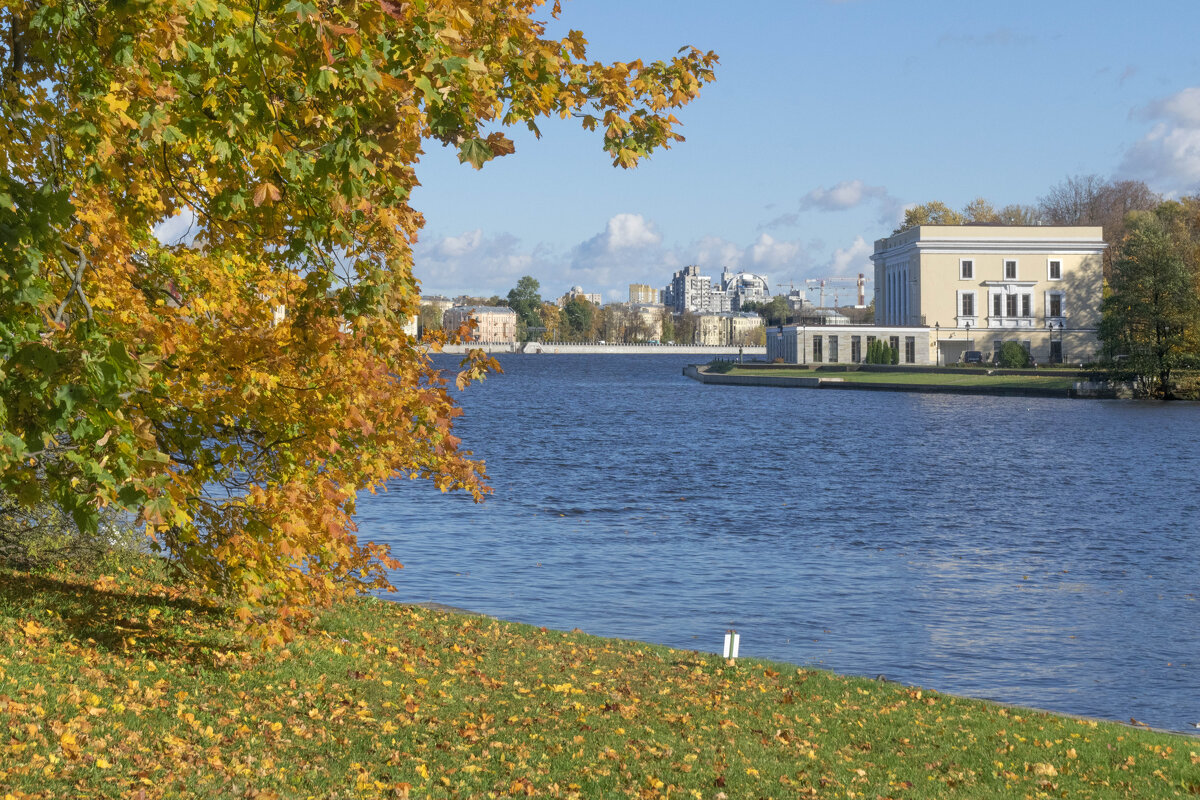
(973, 357)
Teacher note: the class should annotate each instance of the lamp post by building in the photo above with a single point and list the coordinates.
(804, 343)
(968, 337)
(937, 344)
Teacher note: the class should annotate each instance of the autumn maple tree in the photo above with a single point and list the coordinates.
(238, 389)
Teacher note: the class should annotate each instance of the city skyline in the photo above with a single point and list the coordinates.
(820, 129)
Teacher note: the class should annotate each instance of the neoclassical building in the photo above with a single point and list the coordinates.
(941, 290)
(978, 286)
(494, 324)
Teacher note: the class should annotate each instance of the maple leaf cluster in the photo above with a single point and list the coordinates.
(238, 388)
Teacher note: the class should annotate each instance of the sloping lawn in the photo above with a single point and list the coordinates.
(122, 686)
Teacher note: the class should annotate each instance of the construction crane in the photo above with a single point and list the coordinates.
(837, 283)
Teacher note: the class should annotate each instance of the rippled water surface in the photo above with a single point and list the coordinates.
(1033, 551)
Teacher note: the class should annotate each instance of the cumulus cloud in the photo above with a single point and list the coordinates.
(179, 229)
(628, 250)
(844, 196)
(1168, 155)
(853, 259)
(472, 263)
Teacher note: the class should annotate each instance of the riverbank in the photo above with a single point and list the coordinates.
(1018, 383)
(122, 685)
(601, 348)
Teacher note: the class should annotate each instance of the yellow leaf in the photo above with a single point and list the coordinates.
(266, 193)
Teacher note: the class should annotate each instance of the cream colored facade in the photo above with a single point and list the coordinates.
(728, 328)
(494, 324)
(577, 291)
(847, 344)
(643, 293)
(978, 286)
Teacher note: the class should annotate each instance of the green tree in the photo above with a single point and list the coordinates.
(577, 317)
(527, 302)
(237, 396)
(1152, 312)
(1013, 355)
(932, 213)
(430, 319)
(980, 210)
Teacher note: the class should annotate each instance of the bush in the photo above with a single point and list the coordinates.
(1013, 355)
(42, 535)
(720, 366)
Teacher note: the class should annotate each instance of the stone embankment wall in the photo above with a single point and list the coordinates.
(572, 348)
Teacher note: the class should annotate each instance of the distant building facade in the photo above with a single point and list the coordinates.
(847, 344)
(978, 286)
(577, 291)
(728, 328)
(744, 287)
(494, 324)
(640, 293)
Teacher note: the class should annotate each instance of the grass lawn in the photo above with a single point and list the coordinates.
(124, 687)
(968, 377)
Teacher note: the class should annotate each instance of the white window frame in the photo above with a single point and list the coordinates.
(965, 318)
(1016, 276)
(1049, 272)
(962, 276)
(1062, 306)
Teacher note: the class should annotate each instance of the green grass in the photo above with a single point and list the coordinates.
(967, 377)
(131, 688)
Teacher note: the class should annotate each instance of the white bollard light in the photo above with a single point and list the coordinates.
(733, 640)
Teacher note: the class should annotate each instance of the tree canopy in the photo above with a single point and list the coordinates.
(238, 389)
(1152, 312)
(524, 298)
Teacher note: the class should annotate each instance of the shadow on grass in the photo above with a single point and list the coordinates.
(115, 620)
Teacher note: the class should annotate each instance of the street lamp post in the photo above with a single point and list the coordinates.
(804, 343)
(937, 344)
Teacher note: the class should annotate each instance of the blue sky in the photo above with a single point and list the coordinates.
(825, 120)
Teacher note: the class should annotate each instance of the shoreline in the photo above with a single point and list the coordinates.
(1078, 389)
(1132, 723)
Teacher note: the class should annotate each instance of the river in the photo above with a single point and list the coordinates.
(1040, 552)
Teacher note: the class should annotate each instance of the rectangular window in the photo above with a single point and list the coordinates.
(1056, 351)
(997, 308)
(1010, 305)
(968, 304)
(910, 349)
(856, 349)
(1010, 270)
(1056, 305)
(870, 339)
(894, 343)
(1026, 305)
(966, 269)
(818, 357)
(833, 349)
(1055, 270)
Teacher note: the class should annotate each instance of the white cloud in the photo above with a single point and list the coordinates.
(458, 246)
(179, 229)
(845, 196)
(853, 259)
(770, 255)
(630, 230)
(472, 263)
(1168, 156)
